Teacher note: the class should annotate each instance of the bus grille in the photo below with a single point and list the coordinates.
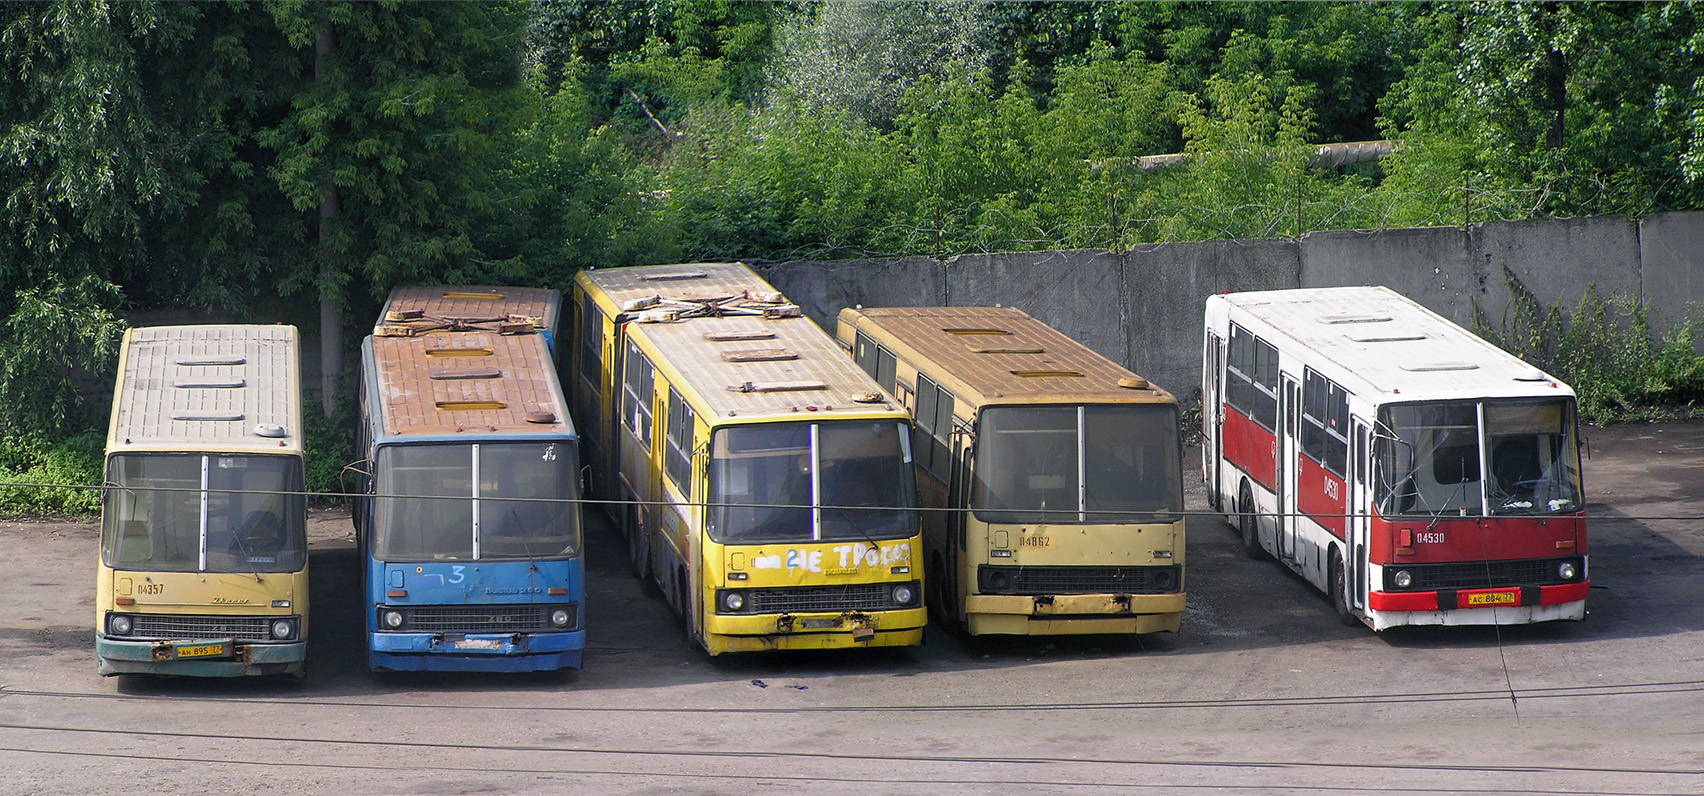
(484, 618)
(1078, 580)
(849, 597)
(1479, 574)
(167, 626)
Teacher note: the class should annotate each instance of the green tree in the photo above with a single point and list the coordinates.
(394, 143)
(80, 163)
(861, 57)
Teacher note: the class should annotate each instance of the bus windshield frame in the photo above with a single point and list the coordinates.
(811, 481)
(1084, 464)
(1429, 458)
(225, 513)
(503, 500)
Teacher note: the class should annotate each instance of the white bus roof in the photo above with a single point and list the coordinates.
(227, 388)
(1383, 346)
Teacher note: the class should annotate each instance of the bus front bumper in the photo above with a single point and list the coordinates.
(233, 659)
(814, 631)
(476, 652)
(1073, 614)
(1514, 605)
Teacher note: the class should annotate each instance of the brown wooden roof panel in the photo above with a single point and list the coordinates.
(434, 308)
(443, 384)
(1003, 355)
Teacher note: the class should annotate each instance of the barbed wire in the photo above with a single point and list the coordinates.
(1068, 515)
(988, 228)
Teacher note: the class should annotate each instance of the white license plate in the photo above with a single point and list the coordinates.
(478, 644)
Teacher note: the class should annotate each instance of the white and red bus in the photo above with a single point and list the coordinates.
(1416, 473)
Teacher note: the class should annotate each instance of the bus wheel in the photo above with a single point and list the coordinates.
(1340, 590)
(943, 601)
(1248, 524)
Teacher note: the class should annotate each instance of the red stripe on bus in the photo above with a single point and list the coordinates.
(1314, 495)
(1248, 447)
(1402, 601)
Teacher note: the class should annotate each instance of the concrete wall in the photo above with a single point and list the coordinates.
(1671, 265)
(1142, 307)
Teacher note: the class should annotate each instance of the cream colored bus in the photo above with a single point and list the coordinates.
(1050, 476)
(204, 555)
(764, 482)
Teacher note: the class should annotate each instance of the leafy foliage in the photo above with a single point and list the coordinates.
(861, 57)
(75, 463)
(329, 448)
(158, 154)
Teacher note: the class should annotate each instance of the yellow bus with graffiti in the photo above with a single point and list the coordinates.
(1050, 476)
(204, 554)
(762, 481)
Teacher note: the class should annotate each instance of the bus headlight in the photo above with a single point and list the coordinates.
(119, 625)
(283, 629)
(1165, 578)
(904, 594)
(1566, 570)
(391, 619)
(1403, 579)
(559, 617)
(733, 601)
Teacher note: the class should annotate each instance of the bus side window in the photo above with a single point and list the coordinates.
(864, 353)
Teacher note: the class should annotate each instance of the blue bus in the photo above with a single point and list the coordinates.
(469, 520)
(412, 310)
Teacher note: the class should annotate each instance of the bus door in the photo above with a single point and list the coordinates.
(1289, 452)
(1355, 557)
(958, 503)
(1212, 414)
(606, 403)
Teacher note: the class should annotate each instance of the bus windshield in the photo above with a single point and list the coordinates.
(1078, 464)
(1429, 459)
(523, 501)
(227, 513)
(811, 481)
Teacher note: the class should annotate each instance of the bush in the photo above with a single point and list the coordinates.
(1604, 349)
(330, 445)
(70, 470)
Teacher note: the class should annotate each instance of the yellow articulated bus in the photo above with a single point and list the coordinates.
(204, 554)
(1051, 478)
(766, 481)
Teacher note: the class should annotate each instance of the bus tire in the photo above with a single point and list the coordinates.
(1248, 523)
(943, 603)
(637, 554)
(1338, 580)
